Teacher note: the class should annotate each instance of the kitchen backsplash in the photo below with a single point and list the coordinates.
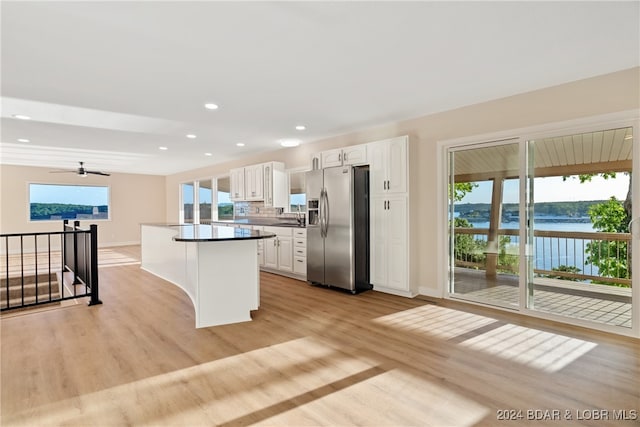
(258, 210)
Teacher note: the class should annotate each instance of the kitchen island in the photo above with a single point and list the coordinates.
(217, 266)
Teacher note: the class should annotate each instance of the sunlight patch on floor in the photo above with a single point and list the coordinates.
(393, 398)
(113, 258)
(435, 321)
(538, 349)
(531, 347)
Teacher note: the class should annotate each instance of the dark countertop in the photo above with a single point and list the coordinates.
(212, 233)
(271, 222)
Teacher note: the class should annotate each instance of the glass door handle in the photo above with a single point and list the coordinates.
(630, 225)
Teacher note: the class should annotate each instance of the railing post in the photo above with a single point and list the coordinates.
(95, 299)
(76, 226)
(63, 245)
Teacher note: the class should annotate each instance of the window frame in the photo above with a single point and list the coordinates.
(109, 205)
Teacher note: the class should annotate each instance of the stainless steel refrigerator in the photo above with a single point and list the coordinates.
(338, 227)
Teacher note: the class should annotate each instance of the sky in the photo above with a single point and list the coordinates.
(554, 189)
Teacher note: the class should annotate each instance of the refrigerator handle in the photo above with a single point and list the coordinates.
(326, 214)
(322, 213)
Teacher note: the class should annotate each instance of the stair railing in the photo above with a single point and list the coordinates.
(66, 273)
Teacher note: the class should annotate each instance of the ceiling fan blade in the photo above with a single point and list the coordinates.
(66, 171)
(98, 173)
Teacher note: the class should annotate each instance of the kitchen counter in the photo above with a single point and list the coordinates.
(214, 233)
(271, 222)
(217, 266)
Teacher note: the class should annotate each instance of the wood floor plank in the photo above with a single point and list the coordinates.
(311, 356)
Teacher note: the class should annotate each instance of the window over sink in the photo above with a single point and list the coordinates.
(297, 191)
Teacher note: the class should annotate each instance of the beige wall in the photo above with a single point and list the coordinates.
(599, 95)
(134, 199)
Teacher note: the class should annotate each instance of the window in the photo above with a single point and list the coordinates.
(187, 203)
(225, 205)
(205, 197)
(52, 202)
(199, 199)
(297, 196)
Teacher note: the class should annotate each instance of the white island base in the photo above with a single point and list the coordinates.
(220, 275)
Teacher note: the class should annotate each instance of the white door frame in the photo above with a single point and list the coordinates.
(629, 118)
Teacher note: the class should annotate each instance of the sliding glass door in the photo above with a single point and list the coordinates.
(545, 225)
(484, 223)
(581, 209)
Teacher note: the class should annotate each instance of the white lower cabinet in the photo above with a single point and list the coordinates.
(389, 244)
(260, 246)
(278, 251)
(300, 252)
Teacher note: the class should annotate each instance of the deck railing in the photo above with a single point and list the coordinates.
(47, 267)
(564, 255)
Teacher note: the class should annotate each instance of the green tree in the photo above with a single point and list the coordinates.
(613, 216)
(460, 189)
(609, 256)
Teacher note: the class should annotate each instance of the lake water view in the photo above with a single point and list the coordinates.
(553, 252)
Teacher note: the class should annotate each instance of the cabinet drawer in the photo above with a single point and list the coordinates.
(299, 232)
(300, 251)
(298, 242)
(300, 265)
(279, 231)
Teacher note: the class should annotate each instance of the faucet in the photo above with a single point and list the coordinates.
(299, 216)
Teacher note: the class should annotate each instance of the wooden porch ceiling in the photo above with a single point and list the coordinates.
(593, 152)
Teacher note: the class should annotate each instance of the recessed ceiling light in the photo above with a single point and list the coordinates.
(163, 148)
(23, 140)
(191, 136)
(301, 127)
(211, 106)
(208, 154)
(289, 142)
(240, 144)
(21, 117)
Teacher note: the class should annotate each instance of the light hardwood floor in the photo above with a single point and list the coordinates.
(311, 356)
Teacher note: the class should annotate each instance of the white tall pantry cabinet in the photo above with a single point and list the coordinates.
(389, 216)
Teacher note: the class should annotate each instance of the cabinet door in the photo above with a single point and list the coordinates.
(236, 182)
(250, 183)
(397, 165)
(271, 252)
(355, 155)
(378, 242)
(267, 183)
(377, 167)
(285, 254)
(259, 182)
(397, 242)
(254, 182)
(332, 158)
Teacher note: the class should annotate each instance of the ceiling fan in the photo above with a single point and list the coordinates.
(81, 171)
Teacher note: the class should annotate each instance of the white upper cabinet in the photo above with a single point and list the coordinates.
(254, 182)
(236, 184)
(353, 155)
(388, 166)
(276, 186)
(264, 182)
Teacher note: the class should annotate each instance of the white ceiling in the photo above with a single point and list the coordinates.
(110, 82)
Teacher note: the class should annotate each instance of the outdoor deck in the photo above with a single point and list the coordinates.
(603, 304)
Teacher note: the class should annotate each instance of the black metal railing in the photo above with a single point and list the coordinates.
(47, 267)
